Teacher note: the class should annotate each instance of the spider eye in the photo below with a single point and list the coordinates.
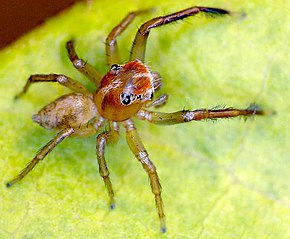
(126, 99)
(115, 67)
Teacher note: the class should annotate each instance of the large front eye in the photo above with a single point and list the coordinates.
(126, 99)
(115, 68)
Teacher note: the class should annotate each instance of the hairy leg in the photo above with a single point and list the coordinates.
(42, 153)
(102, 140)
(141, 154)
(184, 116)
(82, 66)
(111, 43)
(139, 44)
(61, 79)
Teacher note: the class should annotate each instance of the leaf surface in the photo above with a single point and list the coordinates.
(223, 179)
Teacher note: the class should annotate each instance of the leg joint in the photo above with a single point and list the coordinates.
(62, 79)
(143, 157)
(78, 63)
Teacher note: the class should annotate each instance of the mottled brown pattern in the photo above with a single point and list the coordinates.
(73, 110)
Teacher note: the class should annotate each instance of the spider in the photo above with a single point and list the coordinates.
(126, 91)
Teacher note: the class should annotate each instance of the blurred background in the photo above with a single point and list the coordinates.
(18, 17)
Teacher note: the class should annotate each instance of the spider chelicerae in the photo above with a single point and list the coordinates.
(124, 93)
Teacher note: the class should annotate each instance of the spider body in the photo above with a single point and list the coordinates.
(124, 90)
(124, 93)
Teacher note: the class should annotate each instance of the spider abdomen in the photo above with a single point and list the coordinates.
(73, 110)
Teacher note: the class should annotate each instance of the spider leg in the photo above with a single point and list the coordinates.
(61, 79)
(41, 154)
(184, 116)
(111, 43)
(82, 66)
(161, 100)
(102, 140)
(157, 81)
(141, 154)
(139, 44)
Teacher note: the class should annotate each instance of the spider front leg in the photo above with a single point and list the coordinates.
(102, 140)
(139, 44)
(112, 52)
(61, 79)
(188, 115)
(141, 154)
(42, 153)
(82, 66)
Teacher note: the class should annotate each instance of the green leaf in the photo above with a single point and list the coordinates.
(228, 179)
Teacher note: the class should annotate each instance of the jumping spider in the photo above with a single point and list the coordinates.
(124, 92)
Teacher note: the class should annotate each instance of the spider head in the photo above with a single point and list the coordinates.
(124, 90)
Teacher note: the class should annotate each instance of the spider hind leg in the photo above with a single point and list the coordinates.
(41, 154)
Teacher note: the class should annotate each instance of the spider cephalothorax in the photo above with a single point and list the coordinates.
(126, 91)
